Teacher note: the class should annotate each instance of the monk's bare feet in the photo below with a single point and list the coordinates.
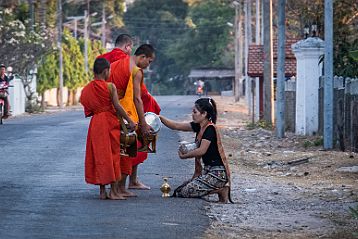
(102, 192)
(126, 193)
(115, 196)
(138, 185)
(103, 196)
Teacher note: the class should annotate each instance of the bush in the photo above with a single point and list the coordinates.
(259, 124)
(354, 212)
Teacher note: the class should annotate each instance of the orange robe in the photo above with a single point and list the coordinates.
(149, 105)
(114, 55)
(120, 78)
(102, 162)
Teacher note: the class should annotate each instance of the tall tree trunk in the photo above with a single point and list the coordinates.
(238, 50)
(59, 44)
(70, 97)
(74, 100)
(43, 106)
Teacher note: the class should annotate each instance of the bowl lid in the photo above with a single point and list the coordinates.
(153, 120)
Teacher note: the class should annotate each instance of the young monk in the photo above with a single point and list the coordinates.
(99, 99)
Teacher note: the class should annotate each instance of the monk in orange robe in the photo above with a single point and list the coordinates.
(100, 101)
(122, 49)
(127, 75)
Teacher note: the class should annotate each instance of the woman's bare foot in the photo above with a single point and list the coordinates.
(138, 185)
(114, 196)
(223, 194)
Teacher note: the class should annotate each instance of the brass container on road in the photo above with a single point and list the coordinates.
(165, 188)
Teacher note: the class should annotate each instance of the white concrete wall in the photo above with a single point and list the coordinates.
(307, 53)
(51, 96)
(17, 97)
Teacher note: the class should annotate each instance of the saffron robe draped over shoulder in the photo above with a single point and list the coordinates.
(102, 161)
(120, 75)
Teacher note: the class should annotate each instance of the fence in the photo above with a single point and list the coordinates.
(345, 112)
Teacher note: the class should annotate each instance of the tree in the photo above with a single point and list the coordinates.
(307, 12)
(114, 11)
(47, 74)
(21, 48)
(159, 22)
(94, 49)
(208, 42)
(74, 74)
(186, 35)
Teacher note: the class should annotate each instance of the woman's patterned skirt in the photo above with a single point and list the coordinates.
(212, 178)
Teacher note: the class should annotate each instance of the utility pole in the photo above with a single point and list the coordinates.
(241, 46)
(32, 14)
(86, 40)
(258, 27)
(59, 46)
(268, 68)
(103, 24)
(248, 41)
(280, 113)
(75, 35)
(256, 113)
(238, 51)
(75, 20)
(328, 75)
(262, 22)
(43, 13)
(86, 34)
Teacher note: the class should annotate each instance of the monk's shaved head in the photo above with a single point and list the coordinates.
(100, 64)
(145, 49)
(123, 39)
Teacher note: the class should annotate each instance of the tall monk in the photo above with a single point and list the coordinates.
(127, 75)
(123, 48)
(100, 101)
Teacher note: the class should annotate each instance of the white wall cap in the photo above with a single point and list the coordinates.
(309, 43)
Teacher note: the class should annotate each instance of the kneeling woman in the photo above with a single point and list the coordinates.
(215, 176)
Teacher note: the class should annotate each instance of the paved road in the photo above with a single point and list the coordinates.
(43, 193)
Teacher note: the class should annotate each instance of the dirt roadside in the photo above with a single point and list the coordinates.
(276, 198)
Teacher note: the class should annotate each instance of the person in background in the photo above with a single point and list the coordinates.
(5, 79)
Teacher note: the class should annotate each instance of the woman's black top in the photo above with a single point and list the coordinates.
(212, 156)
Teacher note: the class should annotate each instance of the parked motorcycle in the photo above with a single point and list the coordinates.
(199, 91)
(4, 86)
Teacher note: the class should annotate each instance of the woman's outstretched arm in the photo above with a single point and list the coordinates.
(171, 124)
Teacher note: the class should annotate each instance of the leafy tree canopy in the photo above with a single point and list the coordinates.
(185, 34)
